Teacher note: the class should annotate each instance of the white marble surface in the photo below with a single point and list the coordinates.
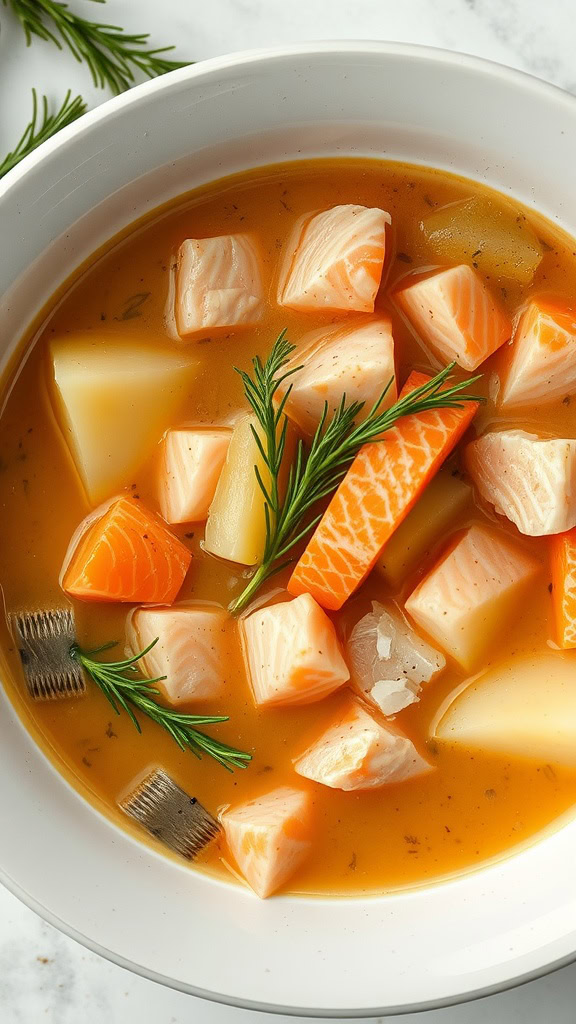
(45, 976)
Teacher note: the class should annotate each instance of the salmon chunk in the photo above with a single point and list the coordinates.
(383, 483)
(270, 837)
(334, 260)
(355, 359)
(542, 359)
(357, 751)
(456, 315)
(563, 564)
(192, 460)
(529, 479)
(126, 555)
(292, 653)
(472, 592)
(191, 651)
(218, 285)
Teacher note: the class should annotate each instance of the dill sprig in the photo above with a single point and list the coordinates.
(316, 472)
(43, 125)
(122, 685)
(111, 54)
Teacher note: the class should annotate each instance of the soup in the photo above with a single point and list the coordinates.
(344, 676)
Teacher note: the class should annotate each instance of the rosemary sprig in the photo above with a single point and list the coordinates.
(111, 53)
(43, 125)
(315, 473)
(122, 685)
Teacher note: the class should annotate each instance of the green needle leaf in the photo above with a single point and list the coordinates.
(130, 694)
(42, 126)
(317, 471)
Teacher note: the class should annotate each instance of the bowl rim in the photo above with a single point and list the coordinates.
(138, 95)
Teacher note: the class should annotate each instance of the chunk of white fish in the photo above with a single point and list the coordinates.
(389, 662)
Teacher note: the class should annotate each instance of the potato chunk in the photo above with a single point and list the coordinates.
(192, 649)
(359, 752)
(355, 359)
(444, 498)
(292, 653)
(270, 837)
(525, 707)
(472, 592)
(114, 399)
(192, 460)
(484, 234)
(218, 285)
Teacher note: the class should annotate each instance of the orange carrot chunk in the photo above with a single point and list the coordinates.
(129, 555)
(381, 486)
(563, 565)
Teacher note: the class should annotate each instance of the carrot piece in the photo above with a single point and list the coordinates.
(563, 566)
(381, 486)
(129, 555)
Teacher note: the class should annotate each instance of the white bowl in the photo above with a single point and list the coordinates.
(360, 957)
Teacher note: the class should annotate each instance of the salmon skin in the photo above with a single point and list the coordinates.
(128, 555)
(269, 837)
(218, 285)
(381, 486)
(334, 260)
(542, 358)
(563, 564)
(456, 315)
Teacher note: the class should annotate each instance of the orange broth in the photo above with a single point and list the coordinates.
(474, 806)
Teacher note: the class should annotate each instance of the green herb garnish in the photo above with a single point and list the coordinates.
(122, 685)
(316, 471)
(112, 54)
(43, 125)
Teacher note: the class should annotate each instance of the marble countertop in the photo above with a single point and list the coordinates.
(44, 976)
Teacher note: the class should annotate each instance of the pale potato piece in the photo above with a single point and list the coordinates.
(525, 707)
(472, 592)
(114, 398)
(484, 234)
(444, 498)
(236, 527)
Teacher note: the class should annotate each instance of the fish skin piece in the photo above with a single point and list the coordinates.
(563, 566)
(472, 592)
(389, 662)
(192, 460)
(529, 479)
(542, 358)
(270, 837)
(334, 260)
(355, 358)
(382, 485)
(357, 752)
(129, 555)
(218, 285)
(456, 315)
(292, 653)
(191, 651)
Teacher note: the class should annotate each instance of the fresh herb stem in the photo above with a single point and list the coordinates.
(121, 684)
(42, 126)
(316, 472)
(111, 54)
